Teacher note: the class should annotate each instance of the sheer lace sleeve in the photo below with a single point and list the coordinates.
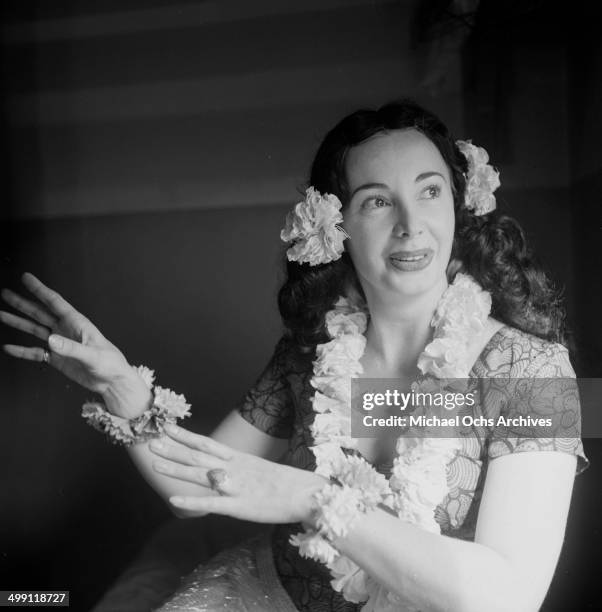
(269, 405)
(554, 394)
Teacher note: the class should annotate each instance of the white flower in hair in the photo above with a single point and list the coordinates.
(481, 179)
(312, 228)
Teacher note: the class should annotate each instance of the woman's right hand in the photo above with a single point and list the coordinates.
(75, 347)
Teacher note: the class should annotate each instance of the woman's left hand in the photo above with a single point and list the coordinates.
(247, 487)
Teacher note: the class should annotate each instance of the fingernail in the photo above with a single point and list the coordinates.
(176, 501)
(171, 429)
(55, 342)
(156, 445)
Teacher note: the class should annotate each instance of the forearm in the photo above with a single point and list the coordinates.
(165, 486)
(129, 397)
(434, 572)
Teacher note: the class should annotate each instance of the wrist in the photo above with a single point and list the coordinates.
(307, 503)
(131, 413)
(128, 396)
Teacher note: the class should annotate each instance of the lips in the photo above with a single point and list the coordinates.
(411, 260)
(411, 255)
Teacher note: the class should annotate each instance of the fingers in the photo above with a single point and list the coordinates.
(181, 472)
(59, 346)
(26, 352)
(61, 310)
(56, 303)
(220, 481)
(184, 455)
(31, 309)
(201, 443)
(24, 325)
(73, 350)
(228, 506)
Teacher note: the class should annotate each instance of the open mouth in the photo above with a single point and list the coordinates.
(415, 255)
(411, 260)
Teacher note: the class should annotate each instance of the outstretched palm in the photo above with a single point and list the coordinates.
(81, 352)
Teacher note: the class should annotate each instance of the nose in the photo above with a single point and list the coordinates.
(407, 221)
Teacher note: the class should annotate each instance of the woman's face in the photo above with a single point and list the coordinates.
(400, 215)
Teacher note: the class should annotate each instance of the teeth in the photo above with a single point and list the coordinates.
(415, 258)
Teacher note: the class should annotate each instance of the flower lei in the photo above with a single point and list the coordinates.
(418, 480)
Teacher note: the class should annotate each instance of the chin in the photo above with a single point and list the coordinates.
(419, 283)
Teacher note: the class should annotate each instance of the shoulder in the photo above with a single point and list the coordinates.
(289, 357)
(516, 354)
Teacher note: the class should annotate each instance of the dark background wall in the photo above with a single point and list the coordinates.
(152, 150)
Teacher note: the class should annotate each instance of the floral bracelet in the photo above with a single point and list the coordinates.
(166, 407)
(336, 509)
(337, 506)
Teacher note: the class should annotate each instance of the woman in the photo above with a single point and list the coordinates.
(471, 523)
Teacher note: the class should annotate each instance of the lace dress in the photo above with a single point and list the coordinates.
(267, 572)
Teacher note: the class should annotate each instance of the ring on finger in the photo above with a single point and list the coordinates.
(218, 480)
(46, 357)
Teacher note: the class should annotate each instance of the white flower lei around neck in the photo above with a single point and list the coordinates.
(418, 482)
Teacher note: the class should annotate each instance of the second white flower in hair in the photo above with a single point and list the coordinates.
(312, 227)
(481, 179)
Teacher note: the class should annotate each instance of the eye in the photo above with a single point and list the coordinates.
(375, 202)
(432, 192)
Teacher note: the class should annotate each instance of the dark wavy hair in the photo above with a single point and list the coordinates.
(491, 248)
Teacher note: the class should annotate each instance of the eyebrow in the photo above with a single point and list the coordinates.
(421, 177)
(369, 186)
(426, 175)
